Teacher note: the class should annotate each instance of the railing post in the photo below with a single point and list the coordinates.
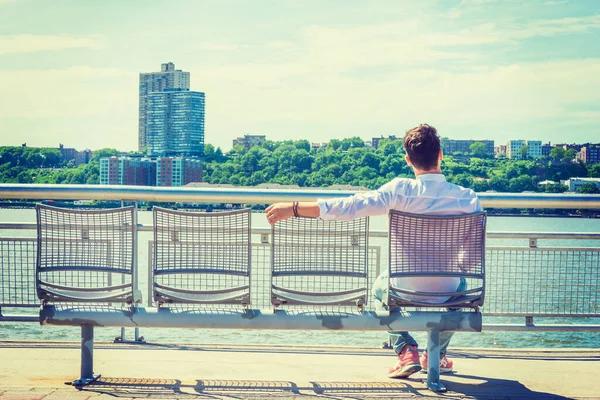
(135, 275)
(433, 361)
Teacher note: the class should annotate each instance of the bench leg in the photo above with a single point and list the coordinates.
(87, 357)
(433, 362)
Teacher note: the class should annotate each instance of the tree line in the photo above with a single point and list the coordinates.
(341, 162)
(350, 162)
(47, 165)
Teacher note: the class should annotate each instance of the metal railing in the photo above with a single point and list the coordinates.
(522, 281)
(263, 196)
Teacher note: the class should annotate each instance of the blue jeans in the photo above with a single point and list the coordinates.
(403, 338)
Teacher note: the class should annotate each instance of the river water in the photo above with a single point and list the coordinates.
(33, 331)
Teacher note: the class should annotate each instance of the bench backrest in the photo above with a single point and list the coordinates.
(424, 247)
(84, 255)
(202, 258)
(316, 262)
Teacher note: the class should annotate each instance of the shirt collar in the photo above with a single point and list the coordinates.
(432, 177)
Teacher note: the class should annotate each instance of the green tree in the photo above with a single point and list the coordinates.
(478, 149)
(523, 151)
(371, 159)
(480, 185)
(594, 171)
(521, 184)
(555, 188)
(557, 153)
(499, 183)
(588, 188)
(334, 144)
(103, 153)
(570, 155)
(302, 145)
(463, 180)
(209, 152)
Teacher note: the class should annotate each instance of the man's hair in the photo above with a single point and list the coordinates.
(422, 145)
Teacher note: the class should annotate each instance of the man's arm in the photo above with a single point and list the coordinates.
(375, 202)
(280, 211)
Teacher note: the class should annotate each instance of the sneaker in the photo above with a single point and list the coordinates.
(445, 364)
(407, 364)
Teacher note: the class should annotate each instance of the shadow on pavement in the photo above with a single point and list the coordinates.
(243, 389)
(480, 388)
(492, 388)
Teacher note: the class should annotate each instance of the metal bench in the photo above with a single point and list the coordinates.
(315, 264)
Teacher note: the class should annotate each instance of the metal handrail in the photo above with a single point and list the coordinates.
(217, 195)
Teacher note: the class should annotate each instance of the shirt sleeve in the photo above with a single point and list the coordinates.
(375, 202)
(478, 207)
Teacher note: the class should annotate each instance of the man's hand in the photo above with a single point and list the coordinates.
(279, 212)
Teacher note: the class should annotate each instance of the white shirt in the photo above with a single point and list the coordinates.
(429, 194)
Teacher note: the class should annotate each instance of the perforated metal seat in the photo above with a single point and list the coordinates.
(438, 247)
(316, 262)
(85, 256)
(201, 258)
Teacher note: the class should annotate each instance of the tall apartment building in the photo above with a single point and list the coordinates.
(109, 171)
(142, 171)
(500, 150)
(464, 146)
(175, 123)
(177, 171)
(546, 149)
(78, 157)
(150, 82)
(513, 149)
(574, 146)
(83, 156)
(589, 153)
(127, 171)
(249, 141)
(68, 153)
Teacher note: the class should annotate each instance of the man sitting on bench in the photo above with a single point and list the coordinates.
(428, 194)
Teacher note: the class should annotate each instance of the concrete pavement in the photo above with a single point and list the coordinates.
(39, 370)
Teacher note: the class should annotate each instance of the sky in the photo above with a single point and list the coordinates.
(311, 69)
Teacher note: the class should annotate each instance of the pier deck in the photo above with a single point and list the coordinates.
(39, 370)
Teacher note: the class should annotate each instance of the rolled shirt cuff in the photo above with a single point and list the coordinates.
(323, 208)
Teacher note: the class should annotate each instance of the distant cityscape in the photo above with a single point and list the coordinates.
(171, 139)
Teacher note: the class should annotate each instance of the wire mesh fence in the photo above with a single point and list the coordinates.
(17, 272)
(543, 281)
(520, 281)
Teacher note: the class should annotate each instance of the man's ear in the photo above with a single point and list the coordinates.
(408, 160)
(441, 155)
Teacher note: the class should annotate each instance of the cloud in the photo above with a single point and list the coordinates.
(78, 90)
(12, 44)
(478, 3)
(212, 46)
(284, 101)
(328, 81)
